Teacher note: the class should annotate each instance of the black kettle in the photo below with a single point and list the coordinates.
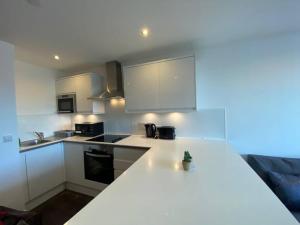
(150, 130)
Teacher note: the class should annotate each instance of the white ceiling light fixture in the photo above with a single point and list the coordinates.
(145, 32)
(56, 57)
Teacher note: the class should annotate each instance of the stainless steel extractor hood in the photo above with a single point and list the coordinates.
(114, 86)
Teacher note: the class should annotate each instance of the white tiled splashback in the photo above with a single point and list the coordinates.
(209, 123)
(204, 124)
(42, 123)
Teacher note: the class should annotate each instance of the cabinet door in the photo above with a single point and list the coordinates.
(45, 169)
(74, 162)
(66, 85)
(141, 87)
(129, 154)
(177, 85)
(83, 91)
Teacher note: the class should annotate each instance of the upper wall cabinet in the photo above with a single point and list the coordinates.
(161, 86)
(141, 89)
(85, 86)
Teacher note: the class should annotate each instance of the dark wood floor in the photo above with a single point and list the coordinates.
(59, 209)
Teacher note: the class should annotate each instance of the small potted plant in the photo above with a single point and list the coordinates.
(186, 162)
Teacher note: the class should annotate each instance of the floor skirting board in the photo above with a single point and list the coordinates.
(44, 197)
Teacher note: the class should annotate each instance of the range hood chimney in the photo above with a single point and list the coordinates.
(114, 87)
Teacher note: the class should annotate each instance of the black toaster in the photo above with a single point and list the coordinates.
(166, 132)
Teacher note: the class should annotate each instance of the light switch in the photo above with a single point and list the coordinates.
(7, 138)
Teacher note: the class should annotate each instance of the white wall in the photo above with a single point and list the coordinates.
(36, 101)
(35, 89)
(258, 82)
(12, 166)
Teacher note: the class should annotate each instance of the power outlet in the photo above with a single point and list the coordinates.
(7, 138)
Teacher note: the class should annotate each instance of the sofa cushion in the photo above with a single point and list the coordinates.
(296, 214)
(287, 189)
(264, 164)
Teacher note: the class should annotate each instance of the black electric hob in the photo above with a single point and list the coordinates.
(110, 138)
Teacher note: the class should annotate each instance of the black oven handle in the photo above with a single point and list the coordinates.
(97, 156)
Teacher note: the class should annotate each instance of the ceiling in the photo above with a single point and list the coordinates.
(89, 32)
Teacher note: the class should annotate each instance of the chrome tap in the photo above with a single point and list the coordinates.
(40, 135)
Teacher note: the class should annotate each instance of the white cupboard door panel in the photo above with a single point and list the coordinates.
(83, 91)
(141, 87)
(122, 164)
(74, 162)
(177, 84)
(45, 169)
(66, 85)
(128, 153)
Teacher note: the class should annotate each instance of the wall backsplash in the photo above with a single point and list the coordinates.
(42, 123)
(209, 123)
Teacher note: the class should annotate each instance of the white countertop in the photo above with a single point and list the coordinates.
(222, 190)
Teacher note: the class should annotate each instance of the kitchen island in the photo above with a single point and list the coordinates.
(222, 189)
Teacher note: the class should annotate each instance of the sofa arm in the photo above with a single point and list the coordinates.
(32, 218)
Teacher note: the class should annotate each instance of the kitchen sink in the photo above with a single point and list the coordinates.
(33, 142)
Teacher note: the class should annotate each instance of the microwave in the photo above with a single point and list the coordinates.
(89, 129)
(66, 103)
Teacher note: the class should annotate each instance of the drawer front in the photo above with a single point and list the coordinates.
(118, 173)
(122, 164)
(128, 154)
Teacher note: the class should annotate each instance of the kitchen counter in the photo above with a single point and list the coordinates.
(78, 139)
(222, 189)
(52, 140)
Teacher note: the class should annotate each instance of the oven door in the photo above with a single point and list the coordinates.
(98, 166)
(66, 103)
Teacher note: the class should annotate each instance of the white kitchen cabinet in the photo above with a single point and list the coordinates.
(141, 89)
(84, 86)
(124, 158)
(129, 154)
(177, 89)
(45, 169)
(161, 86)
(66, 85)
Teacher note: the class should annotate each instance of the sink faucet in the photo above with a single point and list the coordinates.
(40, 135)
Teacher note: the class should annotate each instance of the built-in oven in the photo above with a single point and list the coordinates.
(66, 103)
(98, 164)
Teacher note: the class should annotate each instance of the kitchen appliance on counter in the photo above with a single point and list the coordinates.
(150, 130)
(66, 103)
(166, 132)
(64, 133)
(89, 129)
(99, 163)
(110, 138)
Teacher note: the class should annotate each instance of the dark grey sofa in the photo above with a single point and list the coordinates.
(265, 166)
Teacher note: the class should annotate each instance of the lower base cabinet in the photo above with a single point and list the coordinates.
(63, 163)
(124, 158)
(45, 169)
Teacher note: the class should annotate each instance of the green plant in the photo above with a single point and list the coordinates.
(187, 156)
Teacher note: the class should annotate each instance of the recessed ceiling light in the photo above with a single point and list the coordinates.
(56, 57)
(145, 32)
